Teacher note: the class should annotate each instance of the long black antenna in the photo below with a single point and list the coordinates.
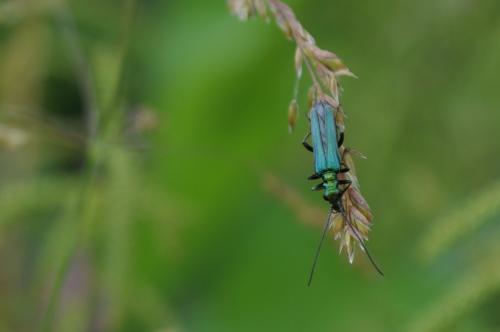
(358, 237)
(328, 223)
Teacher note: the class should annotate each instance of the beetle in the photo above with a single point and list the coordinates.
(327, 164)
(327, 167)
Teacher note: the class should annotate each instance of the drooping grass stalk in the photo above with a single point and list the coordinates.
(325, 68)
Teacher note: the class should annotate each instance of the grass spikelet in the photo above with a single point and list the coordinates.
(293, 112)
(324, 67)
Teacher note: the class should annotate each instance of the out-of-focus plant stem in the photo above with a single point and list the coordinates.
(85, 80)
(86, 205)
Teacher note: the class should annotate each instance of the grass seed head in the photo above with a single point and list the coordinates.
(293, 112)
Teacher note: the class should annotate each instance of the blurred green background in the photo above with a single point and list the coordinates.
(148, 182)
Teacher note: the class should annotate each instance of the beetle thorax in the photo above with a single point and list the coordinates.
(331, 186)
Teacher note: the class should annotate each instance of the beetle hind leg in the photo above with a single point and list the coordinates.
(306, 144)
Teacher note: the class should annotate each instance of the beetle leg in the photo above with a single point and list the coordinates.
(318, 187)
(344, 170)
(343, 182)
(346, 182)
(314, 177)
(341, 139)
(306, 144)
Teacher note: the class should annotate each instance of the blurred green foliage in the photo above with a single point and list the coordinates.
(155, 217)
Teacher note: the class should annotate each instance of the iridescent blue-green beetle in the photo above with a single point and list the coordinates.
(325, 147)
(327, 166)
